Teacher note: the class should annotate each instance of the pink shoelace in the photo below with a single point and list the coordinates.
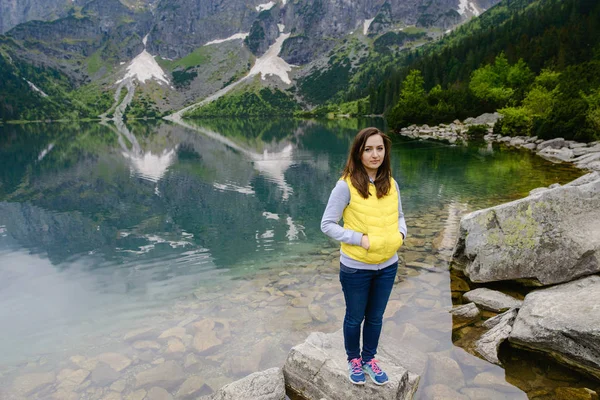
(374, 366)
(356, 365)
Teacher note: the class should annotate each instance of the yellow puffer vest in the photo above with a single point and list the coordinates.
(378, 219)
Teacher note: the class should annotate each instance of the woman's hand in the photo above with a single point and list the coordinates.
(364, 242)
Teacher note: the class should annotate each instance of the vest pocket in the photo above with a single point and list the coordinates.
(397, 240)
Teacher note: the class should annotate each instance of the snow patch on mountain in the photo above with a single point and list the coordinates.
(271, 64)
(367, 24)
(144, 67)
(266, 6)
(466, 5)
(232, 37)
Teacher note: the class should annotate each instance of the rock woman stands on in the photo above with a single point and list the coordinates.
(368, 199)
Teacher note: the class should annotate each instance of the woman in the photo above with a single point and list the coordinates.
(368, 199)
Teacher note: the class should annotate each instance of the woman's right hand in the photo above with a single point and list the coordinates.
(364, 242)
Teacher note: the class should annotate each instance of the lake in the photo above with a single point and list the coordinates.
(198, 248)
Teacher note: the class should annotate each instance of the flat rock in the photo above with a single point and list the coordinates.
(442, 392)
(318, 369)
(167, 375)
(444, 370)
(544, 239)
(464, 315)
(563, 321)
(264, 385)
(116, 361)
(489, 394)
(158, 393)
(490, 341)
(492, 300)
(27, 384)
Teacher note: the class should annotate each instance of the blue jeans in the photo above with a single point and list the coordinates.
(366, 293)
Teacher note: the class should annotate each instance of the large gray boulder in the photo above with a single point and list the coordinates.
(546, 238)
(564, 322)
(264, 385)
(317, 369)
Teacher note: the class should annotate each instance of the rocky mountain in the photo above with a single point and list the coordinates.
(205, 45)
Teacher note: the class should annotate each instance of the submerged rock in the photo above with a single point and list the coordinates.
(317, 369)
(563, 321)
(548, 238)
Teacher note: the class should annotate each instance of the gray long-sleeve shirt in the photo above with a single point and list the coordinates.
(338, 200)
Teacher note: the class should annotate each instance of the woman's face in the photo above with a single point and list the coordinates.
(373, 154)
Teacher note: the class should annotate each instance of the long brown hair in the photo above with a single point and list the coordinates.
(356, 170)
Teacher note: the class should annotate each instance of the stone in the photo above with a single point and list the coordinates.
(444, 370)
(464, 315)
(137, 334)
(118, 386)
(137, 395)
(552, 143)
(563, 322)
(317, 312)
(491, 380)
(264, 385)
(112, 396)
(548, 238)
(490, 341)
(104, 375)
(442, 392)
(158, 393)
(492, 300)
(175, 346)
(74, 379)
(571, 393)
(177, 331)
(116, 361)
(146, 345)
(206, 337)
(551, 154)
(318, 369)
(190, 388)
(25, 385)
(489, 394)
(167, 375)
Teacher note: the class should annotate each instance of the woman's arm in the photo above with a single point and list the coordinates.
(338, 200)
(401, 221)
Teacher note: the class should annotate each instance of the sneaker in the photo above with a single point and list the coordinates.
(377, 375)
(356, 374)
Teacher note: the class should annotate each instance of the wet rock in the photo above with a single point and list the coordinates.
(492, 300)
(556, 155)
(493, 381)
(178, 331)
(175, 346)
(104, 375)
(464, 315)
(317, 313)
(490, 341)
(190, 360)
(158, 393)
(73, 380)
(552, 143)
(137, 334)
(25, 385)
(167, 375)
(563, 321)
(317, 368)
(488, 394)
(137, 395)
(458, 285)
(84, 363)
(206, 337)
(62, 394)
(146, 345)
(113, 396)
(445, 370)
(568, 393)
(191, 388)
(442, 392)
(392, 308)
(545, 239)
(118, 386)
(117, 361)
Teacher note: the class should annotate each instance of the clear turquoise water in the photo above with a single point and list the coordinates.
(102, 231)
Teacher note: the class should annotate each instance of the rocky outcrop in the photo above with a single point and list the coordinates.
(563, 322)
(546, 238)
(263, 33)
(317, 369)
